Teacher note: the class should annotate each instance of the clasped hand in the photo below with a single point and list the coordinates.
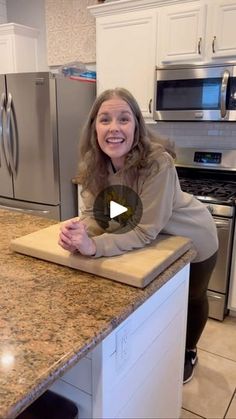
(73, 237)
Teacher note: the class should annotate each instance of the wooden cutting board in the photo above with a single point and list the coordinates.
(137, 267)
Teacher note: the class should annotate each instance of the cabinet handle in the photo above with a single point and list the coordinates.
(150, 106)
(199, 50)
(213, 44)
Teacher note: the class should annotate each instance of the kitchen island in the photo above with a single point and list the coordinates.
(85, 336)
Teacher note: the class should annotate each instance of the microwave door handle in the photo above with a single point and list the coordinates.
(223, 92)
(2, 106)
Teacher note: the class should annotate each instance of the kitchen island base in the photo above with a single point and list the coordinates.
(137, 370)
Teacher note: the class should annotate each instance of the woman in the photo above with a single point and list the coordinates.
(117, 148)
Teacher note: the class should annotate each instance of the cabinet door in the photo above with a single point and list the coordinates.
(18, 48)
(7, 61)
(222, 33)
(126, 47)
(181, 33)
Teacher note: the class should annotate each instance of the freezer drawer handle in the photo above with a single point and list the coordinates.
(2, 105)
(25, 210)
(10, 139)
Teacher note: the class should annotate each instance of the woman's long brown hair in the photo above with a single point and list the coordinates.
(93, 171)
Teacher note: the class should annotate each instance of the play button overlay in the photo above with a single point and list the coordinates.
(117, 209)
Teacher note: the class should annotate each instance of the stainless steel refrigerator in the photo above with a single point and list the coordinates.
(41, 117)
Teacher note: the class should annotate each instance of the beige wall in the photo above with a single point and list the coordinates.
(70, 31)
(3, 11)
(31, 13)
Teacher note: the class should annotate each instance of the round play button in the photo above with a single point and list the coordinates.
(117, 209)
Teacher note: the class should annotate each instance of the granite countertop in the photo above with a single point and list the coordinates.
(51, 316)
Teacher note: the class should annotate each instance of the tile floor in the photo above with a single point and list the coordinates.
(212, 391)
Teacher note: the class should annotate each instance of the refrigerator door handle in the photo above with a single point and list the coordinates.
(9, 149)
(2, 107)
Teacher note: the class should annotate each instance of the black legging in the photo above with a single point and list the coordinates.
(198, 307)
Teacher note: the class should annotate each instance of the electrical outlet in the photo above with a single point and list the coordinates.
(123, 345)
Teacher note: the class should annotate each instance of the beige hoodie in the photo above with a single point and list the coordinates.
(166, 209)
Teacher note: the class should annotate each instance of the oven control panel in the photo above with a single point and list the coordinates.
(215, 159)
(207, 157)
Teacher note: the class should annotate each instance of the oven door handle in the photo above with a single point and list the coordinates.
(223, 91)
(214, 297)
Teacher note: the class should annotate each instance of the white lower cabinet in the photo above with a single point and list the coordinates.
(137, 370)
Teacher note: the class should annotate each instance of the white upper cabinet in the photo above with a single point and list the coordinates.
(222, 29)
(125, 50)
(18, 48)
(133, 36)
(181, 33)
(198, 31)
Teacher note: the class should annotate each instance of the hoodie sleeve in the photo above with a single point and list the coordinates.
(157, 196)
(86, 210)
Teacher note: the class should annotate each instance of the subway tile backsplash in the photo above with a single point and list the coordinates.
(198, 134)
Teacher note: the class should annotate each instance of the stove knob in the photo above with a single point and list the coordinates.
(210, 208)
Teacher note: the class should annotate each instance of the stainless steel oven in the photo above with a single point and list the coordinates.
(195, 93)
(210, 175)
(218, 285)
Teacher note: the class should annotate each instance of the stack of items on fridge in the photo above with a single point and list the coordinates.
(78, 71)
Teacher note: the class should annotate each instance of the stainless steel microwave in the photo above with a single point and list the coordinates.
(195, 93)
